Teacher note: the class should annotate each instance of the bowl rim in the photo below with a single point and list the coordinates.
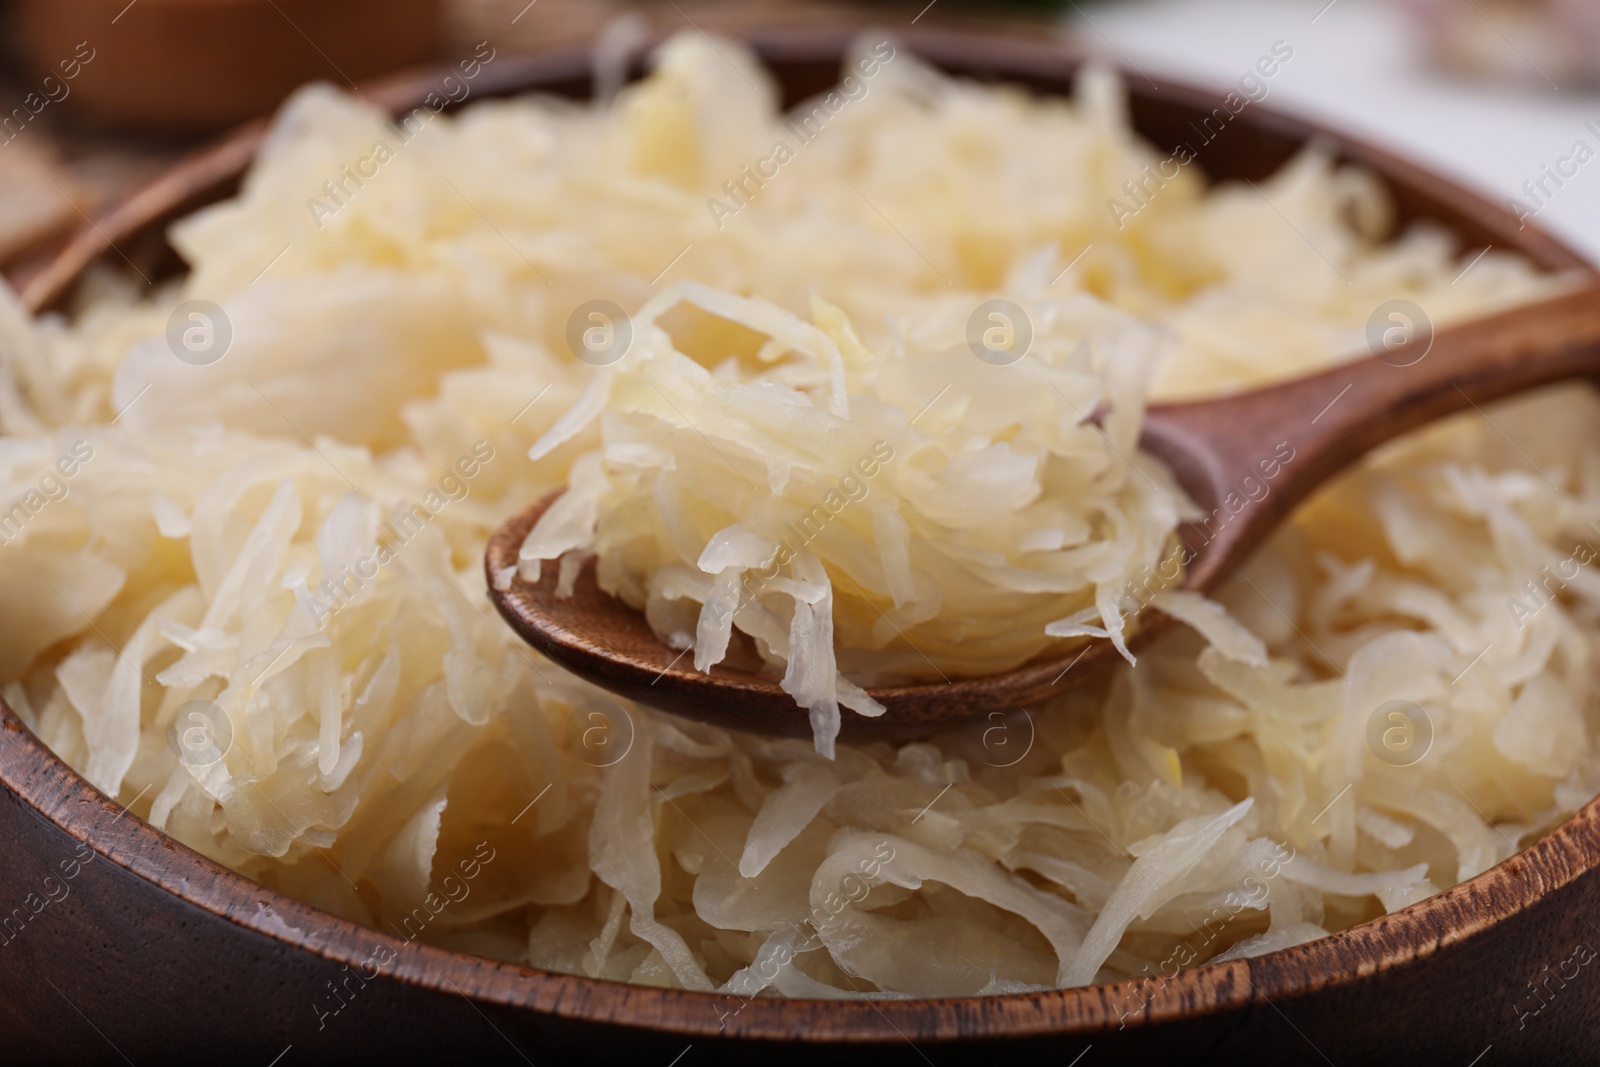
(53, 792)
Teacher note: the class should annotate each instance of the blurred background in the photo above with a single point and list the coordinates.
(97, 97)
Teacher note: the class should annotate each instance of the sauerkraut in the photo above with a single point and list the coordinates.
(244, 593)
(870, 516)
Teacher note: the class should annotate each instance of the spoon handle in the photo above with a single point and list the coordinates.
(1249, 459)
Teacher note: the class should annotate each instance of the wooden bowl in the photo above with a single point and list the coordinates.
(188, 65)
(116, 939)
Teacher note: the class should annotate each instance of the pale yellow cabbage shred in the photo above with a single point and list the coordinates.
(405, 762)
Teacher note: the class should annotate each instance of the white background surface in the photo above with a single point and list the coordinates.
(1358, 67)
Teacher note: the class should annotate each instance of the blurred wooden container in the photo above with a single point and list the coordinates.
(185, 66)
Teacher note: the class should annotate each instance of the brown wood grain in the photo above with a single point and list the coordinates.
(159, 955)
(1329, 420)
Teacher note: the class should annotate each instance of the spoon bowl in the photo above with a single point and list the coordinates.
(603, 640)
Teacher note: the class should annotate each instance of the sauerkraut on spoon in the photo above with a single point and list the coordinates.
(942, 504)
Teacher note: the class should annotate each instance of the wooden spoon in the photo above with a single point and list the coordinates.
(1283, 441)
